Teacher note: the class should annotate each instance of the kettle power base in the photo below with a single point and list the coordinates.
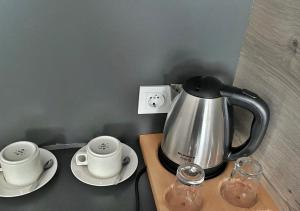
(172, 167)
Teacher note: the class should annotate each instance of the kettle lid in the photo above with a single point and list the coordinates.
(203, 87)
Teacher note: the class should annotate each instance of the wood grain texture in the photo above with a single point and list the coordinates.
(269, 65)
(161, 179)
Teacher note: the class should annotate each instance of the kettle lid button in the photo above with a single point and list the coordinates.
(249, 93)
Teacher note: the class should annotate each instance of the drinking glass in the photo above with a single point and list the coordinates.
(241, 188)
(184, 193)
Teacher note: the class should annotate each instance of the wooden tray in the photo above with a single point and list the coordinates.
(160, 179)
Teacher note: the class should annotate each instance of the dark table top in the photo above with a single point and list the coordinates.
(65, 193)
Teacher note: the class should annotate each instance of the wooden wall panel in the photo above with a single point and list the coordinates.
(269, 65)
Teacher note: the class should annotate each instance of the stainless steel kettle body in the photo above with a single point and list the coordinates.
(199, 125)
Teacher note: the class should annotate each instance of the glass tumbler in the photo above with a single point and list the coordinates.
(241, 188)
(184, 194)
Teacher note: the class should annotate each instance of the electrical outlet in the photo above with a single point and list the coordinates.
(154, 99)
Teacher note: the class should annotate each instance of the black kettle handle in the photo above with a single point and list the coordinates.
(260, 110)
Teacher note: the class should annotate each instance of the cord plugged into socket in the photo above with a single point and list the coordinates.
(154, 99)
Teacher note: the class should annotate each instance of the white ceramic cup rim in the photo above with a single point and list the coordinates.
(29, 158)
(115, 140)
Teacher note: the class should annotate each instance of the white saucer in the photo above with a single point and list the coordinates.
(82, 173)
(8, 190)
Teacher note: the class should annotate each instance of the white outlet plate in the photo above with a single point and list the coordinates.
(153, 94)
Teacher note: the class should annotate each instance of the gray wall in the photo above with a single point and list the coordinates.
(71, 69)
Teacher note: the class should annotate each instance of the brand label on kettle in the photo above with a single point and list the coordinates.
(186, 158)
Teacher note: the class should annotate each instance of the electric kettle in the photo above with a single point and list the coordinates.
(199, 125)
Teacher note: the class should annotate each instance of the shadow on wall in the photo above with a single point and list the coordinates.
(46, 136)
(178, 69)
(125, 132)
(183, 71)
(178, 72)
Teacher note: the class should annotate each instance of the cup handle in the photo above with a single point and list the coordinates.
(81, 159)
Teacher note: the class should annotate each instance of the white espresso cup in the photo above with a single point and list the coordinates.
(21, 163)
(103, 156)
